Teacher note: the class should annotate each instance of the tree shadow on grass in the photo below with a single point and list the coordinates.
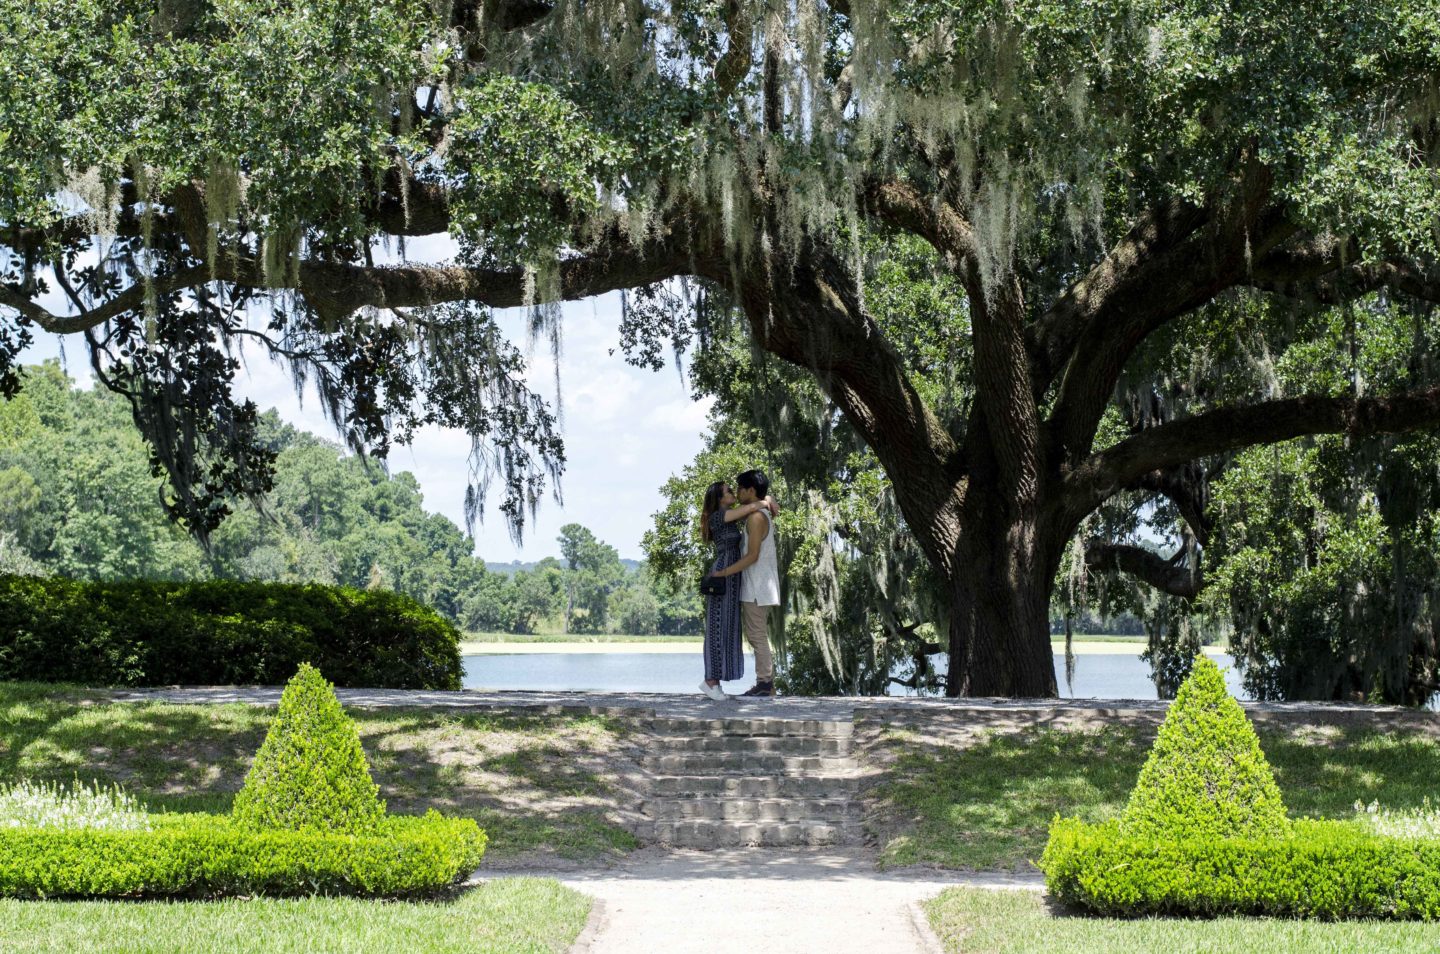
(985, 799)
(535, 784)
(988, 804)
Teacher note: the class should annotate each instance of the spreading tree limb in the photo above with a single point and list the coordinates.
(1235, 428)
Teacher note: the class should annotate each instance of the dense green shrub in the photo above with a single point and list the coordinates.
(1317, 869)
(219, 632)
(310, 772)
(208, 856)
(1206, 774)
(1205, 833)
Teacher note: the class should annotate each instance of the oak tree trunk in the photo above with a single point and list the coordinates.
(1000, 583)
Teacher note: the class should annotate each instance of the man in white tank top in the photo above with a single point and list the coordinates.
(759, 579)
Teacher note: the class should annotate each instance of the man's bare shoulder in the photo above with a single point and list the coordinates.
(757, 523)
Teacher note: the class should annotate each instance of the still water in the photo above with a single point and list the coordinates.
(1096, 676)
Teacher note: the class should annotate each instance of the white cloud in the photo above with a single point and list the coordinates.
(683, 415)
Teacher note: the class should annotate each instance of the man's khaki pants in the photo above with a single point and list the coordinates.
(755, 621)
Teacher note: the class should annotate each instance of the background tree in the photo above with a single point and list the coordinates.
(539, 595)
(331, 517)
(593, 574)
(1102, 179)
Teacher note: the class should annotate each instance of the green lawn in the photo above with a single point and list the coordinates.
(535, 784)
(988, 803)
(508, 915)
(1022, 922)
(573, 638)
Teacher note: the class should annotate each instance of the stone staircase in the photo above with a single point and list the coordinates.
(724, 783)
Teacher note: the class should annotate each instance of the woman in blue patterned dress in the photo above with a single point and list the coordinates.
(719, 524)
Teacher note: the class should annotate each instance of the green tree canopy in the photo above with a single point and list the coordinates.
(1110, 184)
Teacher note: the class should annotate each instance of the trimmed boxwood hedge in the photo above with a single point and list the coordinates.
(1317, 869)
(219, 632)
(208, 856)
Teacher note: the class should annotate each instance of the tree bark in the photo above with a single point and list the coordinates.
(1004, 570)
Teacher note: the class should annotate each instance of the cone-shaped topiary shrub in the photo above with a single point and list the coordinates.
(310, 774)
(1206, 774)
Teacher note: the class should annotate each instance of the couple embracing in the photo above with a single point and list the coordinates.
(744, 582)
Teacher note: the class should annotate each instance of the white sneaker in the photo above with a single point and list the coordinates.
(713, 692)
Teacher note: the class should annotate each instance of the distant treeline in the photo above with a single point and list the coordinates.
(78, 499)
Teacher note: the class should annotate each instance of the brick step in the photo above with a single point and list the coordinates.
(807, 728)
(719, 834)
(757, 786)
(752, 809)
(753, 744)
(745, 763)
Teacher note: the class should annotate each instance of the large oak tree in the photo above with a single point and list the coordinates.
(1094, 173)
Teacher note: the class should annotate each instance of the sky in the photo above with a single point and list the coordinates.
(626, 430)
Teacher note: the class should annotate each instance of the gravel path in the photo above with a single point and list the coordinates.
(780, 901)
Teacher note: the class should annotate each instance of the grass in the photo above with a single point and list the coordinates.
(988, 803)
(1099, 638)
(506, 915)
(1021, 922)
(535, 784)
(573, 638)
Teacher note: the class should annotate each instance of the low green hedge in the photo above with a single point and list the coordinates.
(207, 856)
(1319, 869)
(219, 632)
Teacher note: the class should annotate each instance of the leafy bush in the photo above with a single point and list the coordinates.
(1206, 774)
(310, 772)
(1317, 869)
(219, 632)
(43, 805)
(1205, 833)
(209, 856)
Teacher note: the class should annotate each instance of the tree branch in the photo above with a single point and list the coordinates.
(340, 289)
(735, 63)
(1187, 487)
(1181, 279)
(813, 317)
(902, 205)
(1133, 262)
(133, 298)
(1174, 575)
(337, 289)
(1323, 277)
(1234, 428)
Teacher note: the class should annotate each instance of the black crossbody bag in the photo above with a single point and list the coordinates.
(711, 585)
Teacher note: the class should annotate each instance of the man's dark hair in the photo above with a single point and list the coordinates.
(755, 480)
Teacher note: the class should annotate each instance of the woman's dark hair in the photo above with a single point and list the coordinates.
(713, 495)
(755, 480)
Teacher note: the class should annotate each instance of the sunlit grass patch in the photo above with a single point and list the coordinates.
(1023, 922)
(506, 916)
